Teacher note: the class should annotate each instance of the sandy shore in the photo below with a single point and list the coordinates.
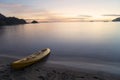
(48, 71)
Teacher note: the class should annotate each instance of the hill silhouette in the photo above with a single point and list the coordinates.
(116, 20)
(10, 20)
(34, 21)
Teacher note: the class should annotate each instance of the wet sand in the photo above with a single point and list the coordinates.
(48, 71)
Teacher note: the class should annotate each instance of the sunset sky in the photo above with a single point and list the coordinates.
(61, 9)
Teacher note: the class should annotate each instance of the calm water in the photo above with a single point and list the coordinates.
(96, 44)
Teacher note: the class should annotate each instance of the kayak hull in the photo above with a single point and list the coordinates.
(27, 61)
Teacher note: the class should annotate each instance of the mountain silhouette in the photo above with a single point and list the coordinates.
(10, 20)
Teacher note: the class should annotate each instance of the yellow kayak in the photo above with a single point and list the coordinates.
(24, 62)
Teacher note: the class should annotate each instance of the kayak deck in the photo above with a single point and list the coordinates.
(24, 62)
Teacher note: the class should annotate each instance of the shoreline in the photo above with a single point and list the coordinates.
(50, 71)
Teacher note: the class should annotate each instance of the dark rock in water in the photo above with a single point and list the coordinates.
(116, 20)
(34, 21)
(10, 20)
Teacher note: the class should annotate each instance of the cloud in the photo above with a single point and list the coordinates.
(76, 18)
(24, 11)
(18, 10)
(87, 16)
(12, 7)
(6, 5)
(111, 15)
(29, 12)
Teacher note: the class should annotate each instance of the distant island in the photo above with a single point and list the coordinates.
(116, 20)
(10, 20)
(34, 21)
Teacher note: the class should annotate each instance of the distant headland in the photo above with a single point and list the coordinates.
(116, 20)
(10, 20)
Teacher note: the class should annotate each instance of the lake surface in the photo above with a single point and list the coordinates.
(77, 44)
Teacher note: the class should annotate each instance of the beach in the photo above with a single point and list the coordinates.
(48, 71)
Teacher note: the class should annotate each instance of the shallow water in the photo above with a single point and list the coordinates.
(78, 42)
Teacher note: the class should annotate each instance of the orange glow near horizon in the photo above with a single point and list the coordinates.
(56, 16)
(61, 10)
(69, 18)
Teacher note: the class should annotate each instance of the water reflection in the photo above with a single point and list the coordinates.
(71, 41)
